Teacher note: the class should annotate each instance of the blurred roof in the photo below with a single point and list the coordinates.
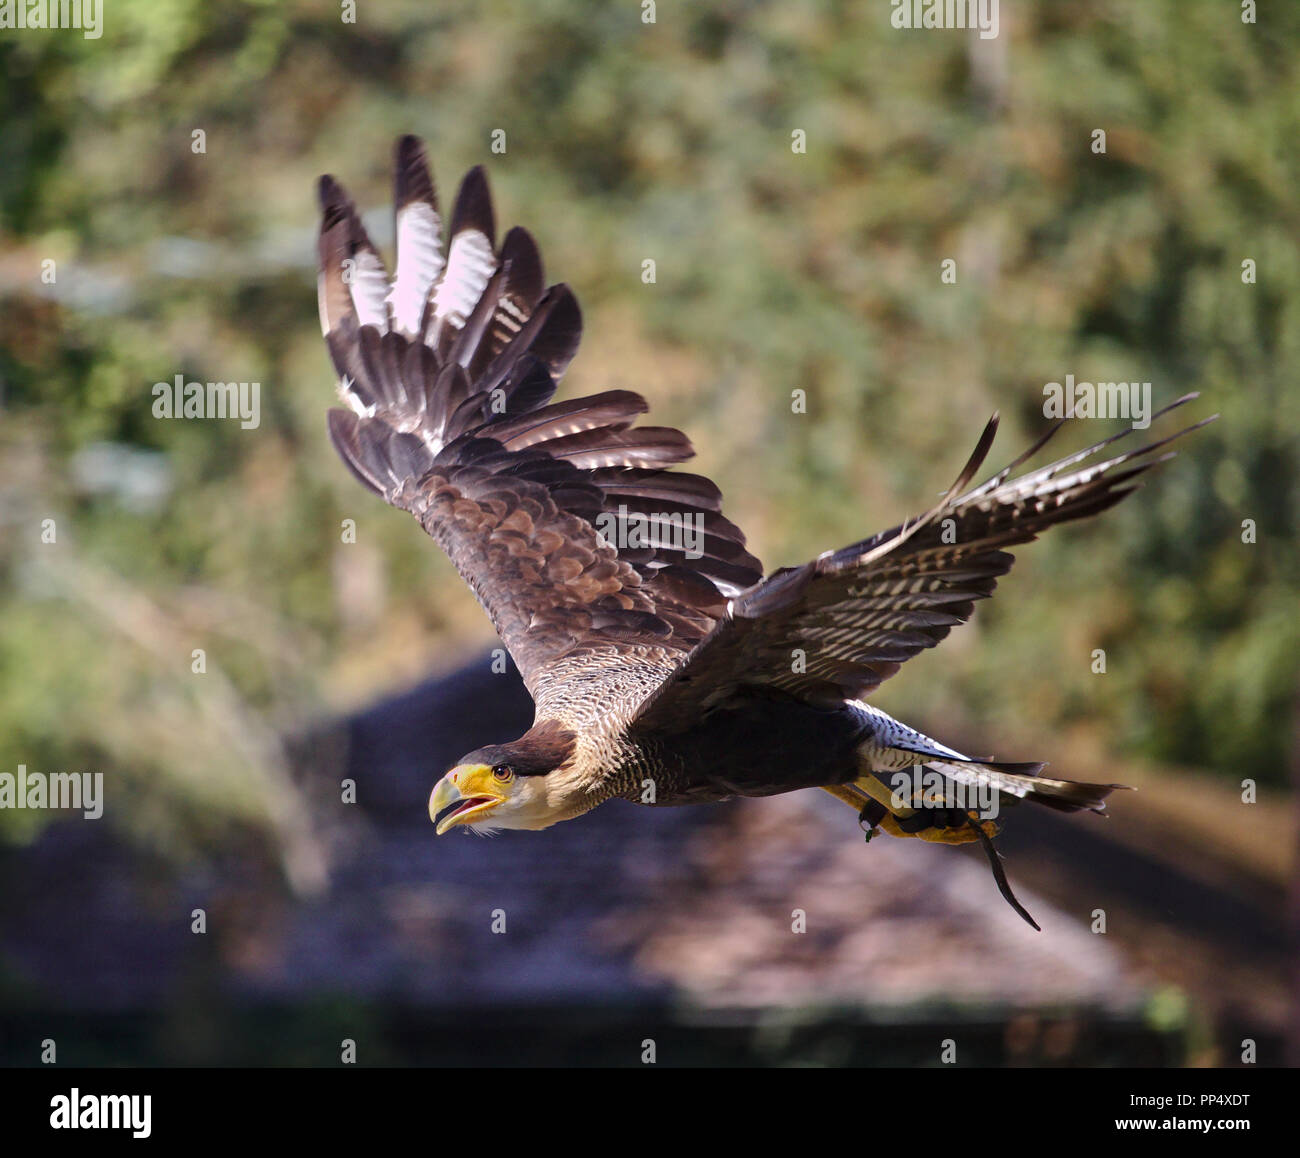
(628, 905)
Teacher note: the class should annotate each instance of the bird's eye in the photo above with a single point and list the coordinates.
(503, 772)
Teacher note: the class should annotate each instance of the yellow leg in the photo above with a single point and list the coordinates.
(863, 789)
(869, 787)
(848, 794)
(880, 792)
(963, 835)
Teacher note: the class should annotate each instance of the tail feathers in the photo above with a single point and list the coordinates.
(953, 820)
(886, 740)
(1023, 782)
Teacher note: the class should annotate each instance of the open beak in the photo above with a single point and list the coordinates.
(467, 794)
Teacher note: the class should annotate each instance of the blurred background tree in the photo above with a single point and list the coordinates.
(775, 270)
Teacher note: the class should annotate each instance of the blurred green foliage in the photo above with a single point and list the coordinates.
(775, 271)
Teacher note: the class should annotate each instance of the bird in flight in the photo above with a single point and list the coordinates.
(664, 667)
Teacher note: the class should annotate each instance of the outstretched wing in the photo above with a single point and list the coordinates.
(837, 627)
(562, 517)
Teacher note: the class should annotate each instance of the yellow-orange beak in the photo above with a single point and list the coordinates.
(465, 795)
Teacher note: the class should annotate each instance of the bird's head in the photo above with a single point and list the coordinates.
(505, 785)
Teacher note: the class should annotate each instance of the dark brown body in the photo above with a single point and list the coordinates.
(760, 744)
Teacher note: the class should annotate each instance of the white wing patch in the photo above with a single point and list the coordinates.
(470, 266)
(419, 263)
(369, 287)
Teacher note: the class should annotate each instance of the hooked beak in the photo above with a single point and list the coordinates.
(465, 795)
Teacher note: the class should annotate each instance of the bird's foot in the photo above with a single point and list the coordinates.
(939, 825)
(944, 826)
(870, 817)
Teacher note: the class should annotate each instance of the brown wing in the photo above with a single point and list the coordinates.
(562, 517)
(837, 627)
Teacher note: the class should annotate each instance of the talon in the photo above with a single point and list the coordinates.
(919, 821)
(870, 817)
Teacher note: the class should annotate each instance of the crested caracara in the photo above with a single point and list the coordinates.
(665, 668)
